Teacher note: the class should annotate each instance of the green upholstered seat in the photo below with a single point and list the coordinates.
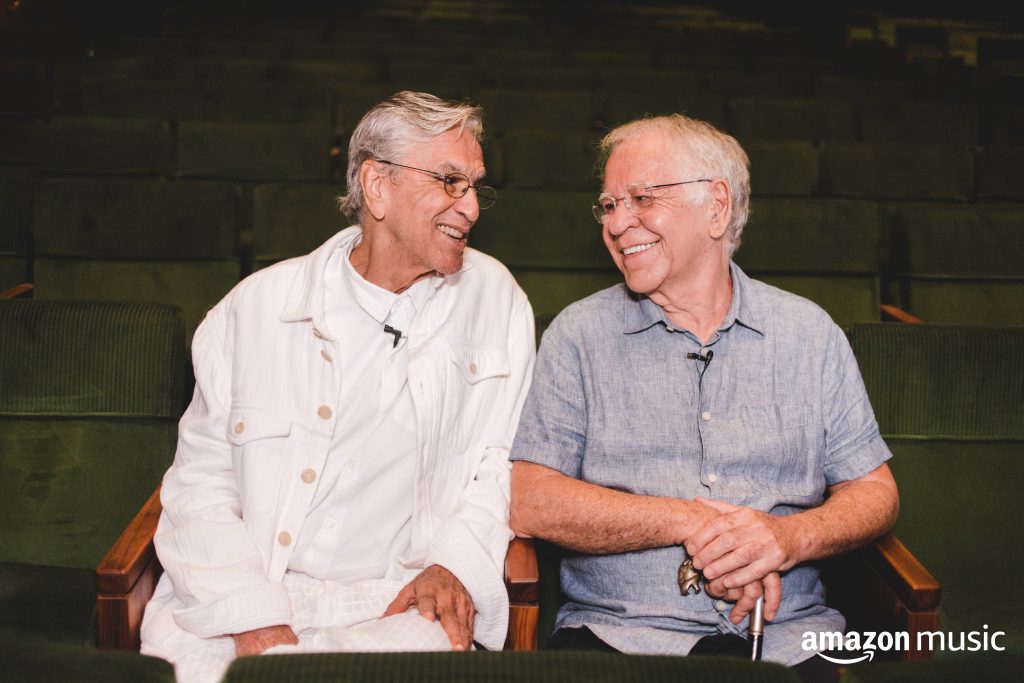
(897, 171)
(972, 666)
(570, 110)
(90, 393)
(291, 220)
(948, 401)
(499, 667)
(919, 122)
(621, 105)
(1002, 123)
(769, 118)
(17, 197)
(137, 241)
(997, 173)
(958, 264)
(784, 168)
(537, 159)
(825, 250)
(28, 660)
(254, 151)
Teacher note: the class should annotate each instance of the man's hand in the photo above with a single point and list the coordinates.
(255, 642)
(742, 546)
(744, 598)
(436, 592)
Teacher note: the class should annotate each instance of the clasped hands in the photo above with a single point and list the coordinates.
(435, 592)
(741, 552)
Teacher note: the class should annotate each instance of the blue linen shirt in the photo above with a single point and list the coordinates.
(777, 415)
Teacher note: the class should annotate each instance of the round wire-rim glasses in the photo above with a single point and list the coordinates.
(456, 185)
(639, 197)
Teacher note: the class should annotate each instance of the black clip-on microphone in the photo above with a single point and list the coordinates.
(397, 333)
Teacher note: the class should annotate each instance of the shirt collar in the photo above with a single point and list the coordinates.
(306, 299)
(640, 313)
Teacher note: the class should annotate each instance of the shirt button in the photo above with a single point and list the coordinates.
(326, 355)
(324, 412)
(720, 604)
(472, 368)
(350, 463)
(284, 538)
(309, 475)
(239, 428)
(706, 416)
(704, 351)
(712, 478)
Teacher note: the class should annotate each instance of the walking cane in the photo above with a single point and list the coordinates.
(757, 630)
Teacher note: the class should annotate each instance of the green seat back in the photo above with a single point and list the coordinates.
(90, 393)
(948, 403)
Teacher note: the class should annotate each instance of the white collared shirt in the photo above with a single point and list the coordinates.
(359, 519)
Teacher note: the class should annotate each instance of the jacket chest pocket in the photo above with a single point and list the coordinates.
(259, 452)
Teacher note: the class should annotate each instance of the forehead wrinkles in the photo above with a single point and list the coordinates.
(649, 158)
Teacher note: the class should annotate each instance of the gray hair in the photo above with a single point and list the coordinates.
(395, 124)
(714, 154)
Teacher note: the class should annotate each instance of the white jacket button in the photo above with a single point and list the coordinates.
(284, 538)
(239, 428)
(308, 475)
(324, 412)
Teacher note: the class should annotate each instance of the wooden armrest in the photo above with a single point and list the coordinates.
(893, 314)
(521, 573)
(904, 573)
(22, 290)
(126, 578)
(522, 577)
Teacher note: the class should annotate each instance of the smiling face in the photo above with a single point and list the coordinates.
(661, 247)
(423, 227)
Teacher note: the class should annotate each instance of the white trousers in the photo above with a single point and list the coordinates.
(328, 617)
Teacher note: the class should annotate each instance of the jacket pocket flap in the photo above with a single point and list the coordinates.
(250, 424)
(476, 364)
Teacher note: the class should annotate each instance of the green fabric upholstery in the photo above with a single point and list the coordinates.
(847, 298)
(53, 603)
(625, 105)
(919, 122)
(194, 286)
(27, 660)
(500, 667)
(89, 396)
(186, 101)
(254, 151)
(550, 160)
(766, 118)
(91, 145)
(570, 110)
(136, 219)
(897, 171)
(998, 169)
(783, 168)
(980, 281)
(540, 229)
(977, 666)
(948, 403)
(553, 290)
(291, 220)
(1002, 123)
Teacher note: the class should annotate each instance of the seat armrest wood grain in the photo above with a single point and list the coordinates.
(893, 314)
(126, 578)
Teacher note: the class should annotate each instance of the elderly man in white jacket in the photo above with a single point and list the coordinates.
(341, 480)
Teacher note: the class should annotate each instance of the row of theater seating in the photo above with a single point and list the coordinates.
(189, 242)
(518, 158)
(91, 392)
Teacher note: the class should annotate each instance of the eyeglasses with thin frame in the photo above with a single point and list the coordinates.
(637, 198)
(456, 185)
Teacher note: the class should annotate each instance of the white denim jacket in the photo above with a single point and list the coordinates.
(265, 400)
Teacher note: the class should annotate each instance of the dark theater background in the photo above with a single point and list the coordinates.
(152, 154)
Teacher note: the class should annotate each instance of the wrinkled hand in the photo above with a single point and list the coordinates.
(255, 642)
(741, 546)
(437, 593)
(746, 596)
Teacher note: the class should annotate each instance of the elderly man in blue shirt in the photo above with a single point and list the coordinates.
(694, 413)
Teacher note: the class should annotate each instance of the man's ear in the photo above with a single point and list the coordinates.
(719, 208)
(376, 185)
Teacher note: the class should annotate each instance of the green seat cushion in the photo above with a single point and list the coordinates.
(897, 171)
(548, 160)
(770, 118)
(963, 301)
(51, 603)
(28, 660)
(784, 168)
(976, 666)
(959, 511)
(253, 151)
(291, 220)
(847, 298)
(537, 667)
(550, 291)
